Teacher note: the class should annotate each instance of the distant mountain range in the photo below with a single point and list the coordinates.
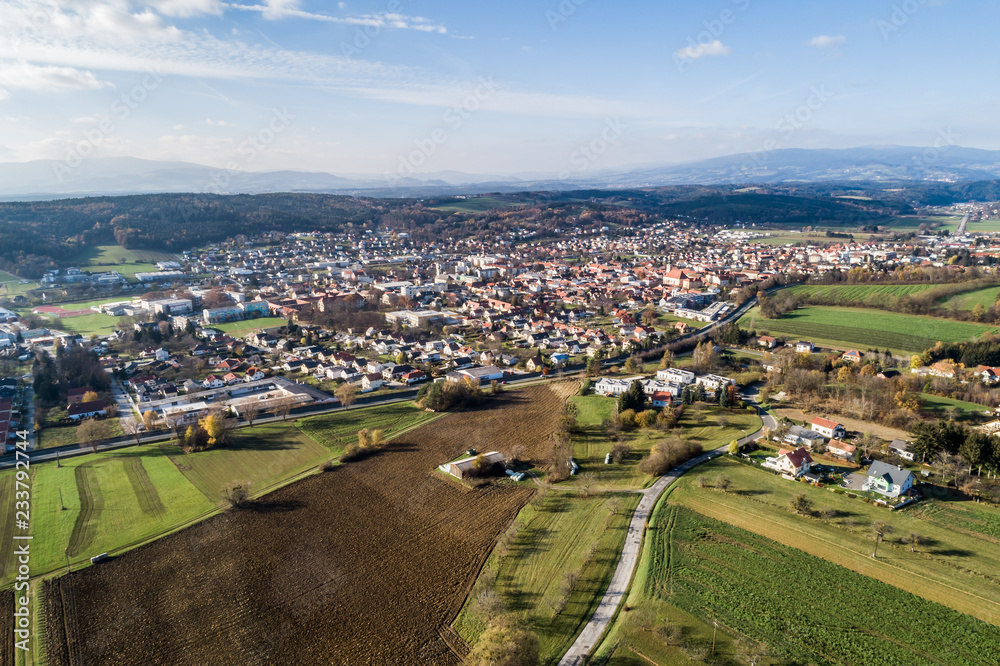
(44, 179)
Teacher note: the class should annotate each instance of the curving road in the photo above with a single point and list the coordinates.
(618, 588)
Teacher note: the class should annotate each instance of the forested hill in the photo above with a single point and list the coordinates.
(38, 235)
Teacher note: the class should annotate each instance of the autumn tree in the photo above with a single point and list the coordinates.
(132, 427)
(149, 419)
(90, 396)
(347, 394)
(217, 427)
(801, 504)
(505, 643)
(236, 495)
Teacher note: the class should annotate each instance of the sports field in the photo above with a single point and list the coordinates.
(848, 328)
(720, 573)
(238, 329)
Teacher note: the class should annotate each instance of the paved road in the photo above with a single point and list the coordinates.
(618, 588)
(963, 225)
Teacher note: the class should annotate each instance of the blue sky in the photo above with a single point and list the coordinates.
(500, 87)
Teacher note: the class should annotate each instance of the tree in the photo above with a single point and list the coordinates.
(801, 504)
(283, 407)
(505, 643)
(722, 482)
(133, 428)
(916, 362)
(217, 427)
(149, 419)
(347, 394)
(91, 432)
(90, 396)
(734, 447)
(879, 530)
(915, 540)
(827, 514)
(250, 412)
(632, 365)
(634, 398)
(667, 361)
(236, 495)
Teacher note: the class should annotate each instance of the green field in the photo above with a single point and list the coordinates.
(957, 568)
(938, 405)
(938, 222)
(565, 534)
(803, 608)
(103, 258)
(847, 328)
(240, 328)
(10, 284)
(111, 501)
(985, 297)
(92, 324)
(477, 205)
(858, 292)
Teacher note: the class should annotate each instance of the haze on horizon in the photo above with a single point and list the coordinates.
(514, 87)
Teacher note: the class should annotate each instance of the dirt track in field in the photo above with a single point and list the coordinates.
(361, 565)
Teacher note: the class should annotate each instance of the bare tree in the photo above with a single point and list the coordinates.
(91, 432)
(801, 504)
(879, 530)
(587, 480)
(236, 495)
(282, 407)
(915, 540)
(250, 412)
(133, 428)
(827, 514)
(722, 482)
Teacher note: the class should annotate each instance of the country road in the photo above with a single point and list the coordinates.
(595, 629)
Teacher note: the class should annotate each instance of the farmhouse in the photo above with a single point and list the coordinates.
(467, 466)
(888, 480)
(841, 449)
(902, 449)
(827, 428)
(795, 462)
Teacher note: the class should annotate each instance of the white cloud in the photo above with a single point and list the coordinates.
(827, 41)
(3, 94)
(21, 74)
(186, 8)
(695, 51)
(280, 9)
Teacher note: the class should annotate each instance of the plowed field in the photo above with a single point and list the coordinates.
(361, 565)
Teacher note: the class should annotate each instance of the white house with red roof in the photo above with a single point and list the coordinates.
(795, 462)
(827, 428)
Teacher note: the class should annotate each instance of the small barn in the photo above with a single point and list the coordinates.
(465, 467)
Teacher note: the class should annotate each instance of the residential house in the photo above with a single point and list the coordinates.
(902, 449)
(841, 449)
(212, 382)
(766, 341)
(795, 462)
(853, 356)
(804, 347)
(888, 480)
(371, 381)
(799, 436)
(827, 428)
(86, 410)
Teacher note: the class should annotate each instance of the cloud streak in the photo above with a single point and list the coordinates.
(827, 41)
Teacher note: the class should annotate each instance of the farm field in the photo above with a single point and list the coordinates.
(103, 258)
(939, 406)
(723, 573)
(858, 292)
(477, 205)
(105, 508)
(970, 299)
(562, 535)
(861, 328)
(943, 223)
(958, 568)
(240, 328)
(372, 558)
(10, 284)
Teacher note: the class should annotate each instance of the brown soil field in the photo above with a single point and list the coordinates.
(7, 626)
(877, 429)
(365, 564)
